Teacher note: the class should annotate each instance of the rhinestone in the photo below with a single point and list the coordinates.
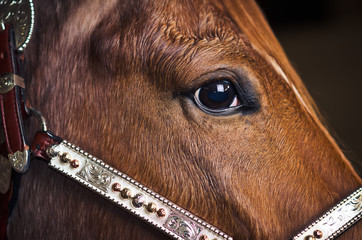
(151, 207)
(318, 233)
(138, 200)
(204, 237)
(161, 213)
(116, 187)
(126, 193)
(74, 163)
(65, 157)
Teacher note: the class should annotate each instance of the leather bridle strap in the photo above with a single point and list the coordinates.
(12, 102)
(337, 220)
(42, 141)
(12, 144)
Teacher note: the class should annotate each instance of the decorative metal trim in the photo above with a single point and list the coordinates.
(96, 176)
(336, 220)
(20, 13)
(180, 226)
(130, 195)
(8, 81)
(20, 161)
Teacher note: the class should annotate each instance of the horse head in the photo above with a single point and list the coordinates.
(194, 99)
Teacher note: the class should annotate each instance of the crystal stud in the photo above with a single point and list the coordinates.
(65, 157)
(138, 200)
(151, 207)
(74, 163)
(204, 237)
(126, 193)
(318, 233)
(161, 213)
(116, 187)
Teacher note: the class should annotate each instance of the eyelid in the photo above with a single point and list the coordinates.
(218, 76)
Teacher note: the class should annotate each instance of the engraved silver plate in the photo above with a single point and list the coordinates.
(336, 220)
(182, 226)
(96, 176)
(109, 183)
(5, 174)
(20, 13)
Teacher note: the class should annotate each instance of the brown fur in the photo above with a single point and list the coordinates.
(111, 77)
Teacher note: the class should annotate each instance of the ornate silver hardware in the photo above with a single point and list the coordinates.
(9, 81)
(106, 181)
(161, 213)
(96, 176)
(126, 193)
(20, 161)
(151, 207)
(204, 237)
(138, 200)
(20, 13)
(116, 187)
(5, 174)
(51, 152)
(336, 220)
(65, 157)
(182, 227)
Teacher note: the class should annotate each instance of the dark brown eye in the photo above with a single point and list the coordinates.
(217, 97)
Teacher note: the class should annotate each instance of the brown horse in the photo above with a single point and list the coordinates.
(126, 81)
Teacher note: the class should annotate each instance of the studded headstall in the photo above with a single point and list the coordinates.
(16, 23)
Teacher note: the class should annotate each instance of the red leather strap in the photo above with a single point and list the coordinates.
(6, 63)
(41, 142)
(11, 114)
(10, 103)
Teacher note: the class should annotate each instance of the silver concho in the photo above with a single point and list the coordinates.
(96, 176)
(182, 227)
(20, 160)
(20, 13)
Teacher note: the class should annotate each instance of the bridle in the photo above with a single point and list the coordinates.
(16, 23)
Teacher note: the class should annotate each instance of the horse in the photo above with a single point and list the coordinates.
(128, 81)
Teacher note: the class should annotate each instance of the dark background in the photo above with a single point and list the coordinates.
(323, 40)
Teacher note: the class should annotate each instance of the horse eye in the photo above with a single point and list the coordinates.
(217, 97)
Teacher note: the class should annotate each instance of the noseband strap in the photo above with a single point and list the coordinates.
(337, 220)
(122, 190)
(160, 212)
